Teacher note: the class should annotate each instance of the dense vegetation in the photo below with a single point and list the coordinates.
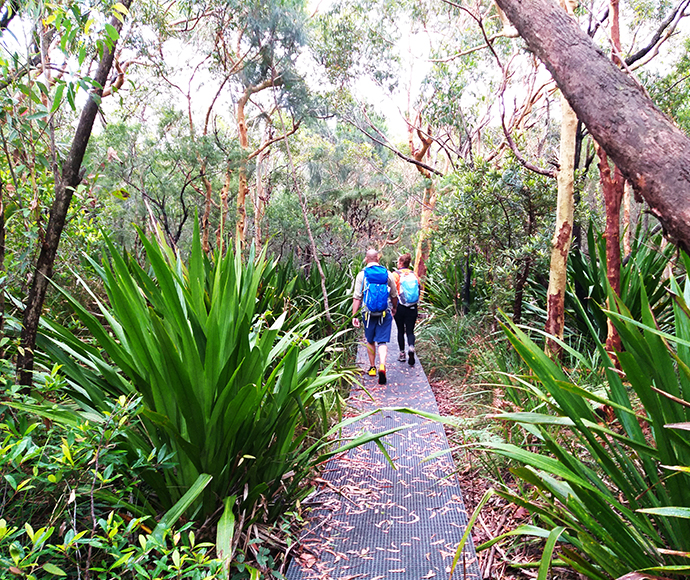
(186, 193)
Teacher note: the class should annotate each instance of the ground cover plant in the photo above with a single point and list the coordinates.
(229, 409)
(612, 485)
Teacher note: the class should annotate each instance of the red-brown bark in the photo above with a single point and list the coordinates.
(644, 144)
(612, 188)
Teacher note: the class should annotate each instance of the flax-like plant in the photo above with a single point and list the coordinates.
(620, 487)
(223, 391)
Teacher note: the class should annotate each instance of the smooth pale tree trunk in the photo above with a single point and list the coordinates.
(560, 244)
(70, 178)
(224, 192)
(259, 202)
(650, 151)
(627, 230)
(425, 227)
(243, 187)
(208, 202)
(428, 201)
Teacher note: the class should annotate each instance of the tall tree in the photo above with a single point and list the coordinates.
(69, 178)
(560, 245)
(648, 148)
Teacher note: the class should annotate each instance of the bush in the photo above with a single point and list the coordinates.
(609, 469)
(224, 390)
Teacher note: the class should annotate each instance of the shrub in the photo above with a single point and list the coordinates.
(224, 391)
(615, 482)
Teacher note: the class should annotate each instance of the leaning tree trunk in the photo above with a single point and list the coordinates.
(428, 201)
(644, 144)
(69, 180)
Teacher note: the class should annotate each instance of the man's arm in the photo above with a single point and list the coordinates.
(357, 298)
(393, 292)
(356, 303)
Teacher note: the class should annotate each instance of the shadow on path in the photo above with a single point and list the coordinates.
(372, 522)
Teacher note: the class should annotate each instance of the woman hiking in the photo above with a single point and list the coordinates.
(407, 284)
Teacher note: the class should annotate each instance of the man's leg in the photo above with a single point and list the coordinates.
(383, 335)
(369, 335)
(371, 352)
(383, 351)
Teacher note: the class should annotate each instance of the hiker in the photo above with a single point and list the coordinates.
(407, 285)
(376, 293)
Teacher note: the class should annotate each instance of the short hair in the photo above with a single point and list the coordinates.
(405, 259)
(372, 255)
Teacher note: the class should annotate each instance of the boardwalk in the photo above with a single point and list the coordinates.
(373, 522)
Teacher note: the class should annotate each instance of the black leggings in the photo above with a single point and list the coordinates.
(405, 318)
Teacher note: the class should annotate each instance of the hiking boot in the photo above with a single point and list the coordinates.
(402, 357)
(372, 371)
(382, 375)
(410, 357)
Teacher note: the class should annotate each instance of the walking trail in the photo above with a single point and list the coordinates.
(370, 521)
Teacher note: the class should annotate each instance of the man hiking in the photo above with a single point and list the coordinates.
(376, 293)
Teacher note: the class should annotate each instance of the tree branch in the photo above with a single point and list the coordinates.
(659, 36)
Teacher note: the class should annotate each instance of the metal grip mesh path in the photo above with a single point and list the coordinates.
(373, 522)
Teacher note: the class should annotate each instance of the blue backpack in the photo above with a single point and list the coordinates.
(409, 288)
(375, 290)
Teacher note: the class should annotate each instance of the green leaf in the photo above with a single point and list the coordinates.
(53, 569)
(174, 513)
(225, 532)
(547, 555)
(668, 511)
(112, 32)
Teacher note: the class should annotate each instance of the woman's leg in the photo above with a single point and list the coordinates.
(410, 320)
(400, 324)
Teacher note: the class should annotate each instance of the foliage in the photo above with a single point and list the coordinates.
(587, 292)
(223, 391)
(497, 221)
(66, 501)
(443, 287)
(617, 486)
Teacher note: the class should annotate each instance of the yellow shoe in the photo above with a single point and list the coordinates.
(372, 372)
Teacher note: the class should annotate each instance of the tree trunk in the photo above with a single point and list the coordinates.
(3, 274)
(520, 289)
(644, 144)
(612, 188)
(426, 224)
(208, 201)
(259, 200)
(627, 229)
(560, 245)
(69, 180)
(428, 201)
(243, 188)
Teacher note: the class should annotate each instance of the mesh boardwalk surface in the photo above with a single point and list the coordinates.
(372, 522)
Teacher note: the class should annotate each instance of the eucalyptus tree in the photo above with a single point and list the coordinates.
(235, 66)
(69, 48)
(648, 148)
